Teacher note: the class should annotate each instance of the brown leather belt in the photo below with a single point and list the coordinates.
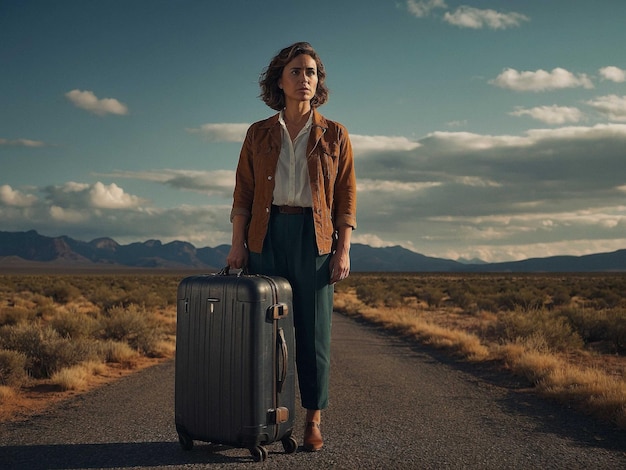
(290, 209)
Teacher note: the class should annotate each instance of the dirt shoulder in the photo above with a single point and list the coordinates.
(37, 397)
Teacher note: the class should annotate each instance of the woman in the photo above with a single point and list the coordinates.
(294, 209)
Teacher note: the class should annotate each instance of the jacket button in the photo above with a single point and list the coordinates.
(269, 178)
(267, 209)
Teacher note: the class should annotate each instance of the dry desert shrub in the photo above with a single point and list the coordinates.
(525, 298)
(46, 351)
(433, 296)
(606, 325)
(62, 292)
(119, 352)
(73, 325)
(551, 325)
(65, 327)
(44, 306)
(134, 326)
(77, 377)
(12, 368)
(14, 314)
(146, 290)
(72, 378)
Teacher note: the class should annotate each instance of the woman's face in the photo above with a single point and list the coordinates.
(299, 79)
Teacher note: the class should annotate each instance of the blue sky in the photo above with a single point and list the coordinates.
(481, 129)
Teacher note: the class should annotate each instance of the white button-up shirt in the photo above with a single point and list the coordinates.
(292, 186)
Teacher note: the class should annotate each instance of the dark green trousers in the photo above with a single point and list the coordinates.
(290, 251)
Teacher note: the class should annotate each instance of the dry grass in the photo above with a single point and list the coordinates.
(6, 393)
(77, 377)
(587, 388)
(408, 322)
(552, 358)
(564, 334)
(72, 332)
(119, 352)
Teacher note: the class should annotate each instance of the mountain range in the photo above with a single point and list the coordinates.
(30, 249)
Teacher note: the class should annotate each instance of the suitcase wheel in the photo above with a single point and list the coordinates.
(186, 442)
(259, 453)
(290, 444)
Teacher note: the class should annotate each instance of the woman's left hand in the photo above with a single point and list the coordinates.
(339, 266)
(340, 259)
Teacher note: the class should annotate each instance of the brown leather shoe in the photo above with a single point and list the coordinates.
(312, 437)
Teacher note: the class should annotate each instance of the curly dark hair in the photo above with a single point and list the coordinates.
(272, 95)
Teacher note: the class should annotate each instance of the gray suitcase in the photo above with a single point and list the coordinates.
(235, 368)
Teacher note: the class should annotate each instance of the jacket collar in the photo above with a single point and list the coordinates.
(318, 121)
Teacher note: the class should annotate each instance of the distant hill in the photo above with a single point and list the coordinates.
(32, 249)
(396, 258)
(67, 252)
(600, 262)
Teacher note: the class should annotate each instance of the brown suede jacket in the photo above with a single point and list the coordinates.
(331, 170)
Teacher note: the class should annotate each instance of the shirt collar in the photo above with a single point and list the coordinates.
(281, 119)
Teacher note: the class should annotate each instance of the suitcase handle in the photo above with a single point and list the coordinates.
(225, 271)
(282, 345)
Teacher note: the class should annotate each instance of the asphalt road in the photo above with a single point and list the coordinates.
(394, 405)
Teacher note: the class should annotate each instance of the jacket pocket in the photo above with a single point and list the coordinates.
(329, 165)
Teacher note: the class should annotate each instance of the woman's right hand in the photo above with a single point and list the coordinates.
(238, 256)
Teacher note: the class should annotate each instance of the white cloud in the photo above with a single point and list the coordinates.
(22, 143)
(498, 192)
(89, 101)
(394, 187)
(368, 143)
(69, 210)
(614, 74)
(497, 197)
(221, 132)
(453, 142)
(607, 216)
(216, 182)
(421, 9)
(551, 114)
(14, 197)
(71, 216)
(475, 181)
(83, 196)
(377, 242)
(474, 18)
(111, 197)
(540, 80)
(612, 106)
(72, 187)
(491, 253)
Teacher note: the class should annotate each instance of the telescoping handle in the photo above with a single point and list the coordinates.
(284, 355)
